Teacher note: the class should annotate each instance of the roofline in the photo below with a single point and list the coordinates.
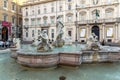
(36, 3)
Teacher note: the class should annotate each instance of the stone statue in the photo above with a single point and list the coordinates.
(35, 42)
(93, 43)
(59, 42)
(68, 40)
(44, 45)
(16, 43)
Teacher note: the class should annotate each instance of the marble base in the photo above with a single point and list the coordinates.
(46, 60)
(13, 53)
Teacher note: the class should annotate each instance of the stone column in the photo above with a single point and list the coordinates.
(103, 31)
(88, 31)
(116, 32)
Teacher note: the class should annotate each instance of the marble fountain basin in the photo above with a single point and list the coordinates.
(67, 55)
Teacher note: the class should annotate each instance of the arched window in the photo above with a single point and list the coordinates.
(26, 13)
(109, 13)
(69, 18)
(32, 12)
(95, 14)
(60, 8)
(44, 10)
(26, 34)
(38, 11)
(82, 3)
(82, 15)
(38, 21)
(69, 7)
(52, 9)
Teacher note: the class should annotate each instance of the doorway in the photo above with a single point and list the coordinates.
(96, 31)
(4, 33)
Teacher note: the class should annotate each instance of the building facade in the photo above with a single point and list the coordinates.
(80, 19)
(10, 19)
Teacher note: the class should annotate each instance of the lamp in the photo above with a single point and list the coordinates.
(76, 24)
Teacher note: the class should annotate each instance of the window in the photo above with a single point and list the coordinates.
(69, 18)
(109, 13)
(44, 10)
(4, 17)
(13, 19)
(5, 4)
(32, 12)
(20, 21)
(32, 21)
(20, 11)
(70, 33)
(26, 13)
(13, 6)
(95, 2)
(60, 8)
(26, 34)
(32, 33)
(52, 9)
(95, 14)
(38, 32)
(69, 7)
(45, 21)
(82, 15)
(52, 33)
(38, 21)
(38, 11)
(82, 2)
(26, 22)
(52, 20)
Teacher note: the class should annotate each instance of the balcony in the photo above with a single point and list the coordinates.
(110, 20)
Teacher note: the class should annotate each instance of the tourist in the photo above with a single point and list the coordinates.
(1, 44)
(7, 44)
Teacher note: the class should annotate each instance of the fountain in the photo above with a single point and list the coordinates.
(92, 43)
(45, 56)
(95, 52)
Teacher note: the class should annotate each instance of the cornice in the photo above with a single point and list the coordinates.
(36, 3)
(102, 5)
